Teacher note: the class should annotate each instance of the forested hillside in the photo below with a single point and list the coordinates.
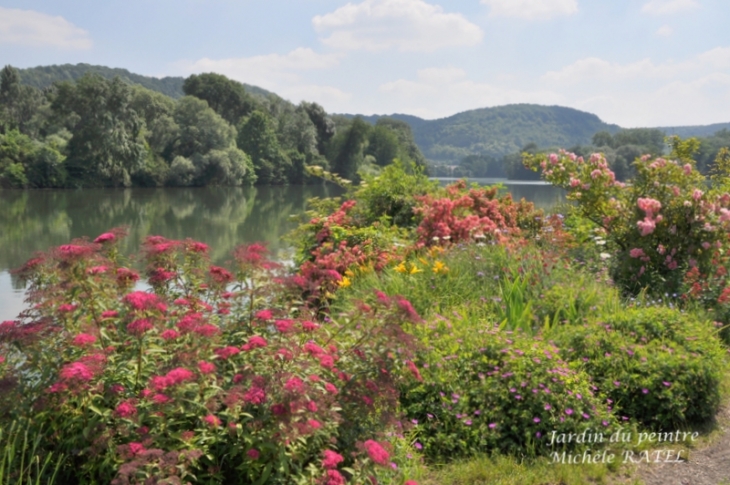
(99, 132)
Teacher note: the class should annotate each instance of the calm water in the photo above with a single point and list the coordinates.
(223, 218)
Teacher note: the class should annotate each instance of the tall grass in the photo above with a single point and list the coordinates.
(21, 462)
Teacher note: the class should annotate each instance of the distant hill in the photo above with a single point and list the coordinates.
(502, 130)
(699, 131)
(43, 76)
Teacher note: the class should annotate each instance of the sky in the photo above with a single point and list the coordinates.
(635, 63)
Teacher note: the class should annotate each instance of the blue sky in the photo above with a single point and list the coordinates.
(631, 62)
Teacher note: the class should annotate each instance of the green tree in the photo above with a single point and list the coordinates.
(200, 128)
(257, 137)
(346, 149)
(19, 105)
(225, 96)
(383, 146)
(106, 146)
(323, 123)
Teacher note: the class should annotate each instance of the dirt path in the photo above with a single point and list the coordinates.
(708, 465)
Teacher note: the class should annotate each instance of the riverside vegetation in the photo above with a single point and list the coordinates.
(420, 327)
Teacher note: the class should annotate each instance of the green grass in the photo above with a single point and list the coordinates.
(20, 461)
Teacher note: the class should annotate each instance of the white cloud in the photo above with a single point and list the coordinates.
(270, 71)
(695, 90)
(28, 27)
(406, 25)
(664, 31)
(532, 9)
(668, 7)
(333, 98)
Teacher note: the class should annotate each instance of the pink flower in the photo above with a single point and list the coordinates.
(83, 339)
(76, 371)
(226, 352)
(326, 361)
(406, 307)
(649, 206)
(179, 375)
(197, 247)
(697, 194)
(294, 385)
(334, 477)
(136, 449)
(646, 227)
(169, 334)
(220, 275)
(206, 367)
(66, 308)
(255, 396)
(687, 169)
(253, 454)
(637, 253)
(309, 326)
(206, 330)
(139, 327)
(109, 314)
(141, 300)
(264, 315)
(97, 270)
(106, 237)
(377, 453)
(255, 342)
(314, 424)
(330, 388)
(411, 482)
(126, 409)
(283, 325)
(212, 420)
(331, 459)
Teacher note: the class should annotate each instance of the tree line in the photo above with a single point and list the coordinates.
(97, 132)
(621, 149)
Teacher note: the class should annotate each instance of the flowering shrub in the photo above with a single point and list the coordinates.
(460, 213)
(657, 365)
(486, 390)
(662, 224)
(216, 376)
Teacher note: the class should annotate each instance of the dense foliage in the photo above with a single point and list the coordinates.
(92, 131)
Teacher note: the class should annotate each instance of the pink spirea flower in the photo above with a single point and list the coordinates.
(284, 325)
(377, 453)
(313, 349)
(333, 477)
(97, 270)
(330, 388)
(141, 300)
(331, 459)
(69, 251)
(255, 342)
(106, 237)
(220, 275)
(179, 375)
(136, 448)
(139, 327)
(206, 330)
(66, 308)
(253, 454)
(109, 314)
(169, 334)
(212, 420)
(294, 385)
(76, 371)
(264, 315)
(309, 325)
(406, 307)
(227, 352)
(83, 339)
(125, 409)
(206, 367)
(314, 424)
(197, 247)
(326, 361)
(410, 482)
(255, 395)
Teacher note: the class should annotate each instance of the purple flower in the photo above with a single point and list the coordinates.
(568, 411)
(518, 397)
(548, 407)
(414, 421)
(667, 384)
(467, 422)
(419, 446)
(536, 419)
(605, 423)
(616, 383)
(586, 415)
(492, 425)
(538, 434)
(477, 412)
(645, 391)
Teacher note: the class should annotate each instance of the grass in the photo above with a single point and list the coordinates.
(20, 462)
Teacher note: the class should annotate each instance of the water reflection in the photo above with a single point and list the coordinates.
(542, 194)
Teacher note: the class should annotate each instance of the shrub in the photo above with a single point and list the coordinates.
(484, 390)
(659, 366)
(661, 225)
(217, 376)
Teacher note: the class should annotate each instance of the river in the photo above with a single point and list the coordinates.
(222, 217)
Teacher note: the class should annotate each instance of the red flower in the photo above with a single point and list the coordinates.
(313, 349)
(412, 367)
(314, 424)
(76, 371)
(206, 330)
(330, 388)
(220, 275)
(334, 478)
(255, 396)
(253, 454)
(136, 448)
(326, 361)
(283, 325)
(331, 459)
(109, 314)
(294, 385)
(141, 300)
(197, 247)
(264, 315)
(406, 307)
(377, 453)
(309, 326)
(169, 334)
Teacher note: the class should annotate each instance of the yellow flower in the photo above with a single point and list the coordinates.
(401, 268)
(423, 261)
(415, 269)
(439, 267)
(344, 282)
(436, 250)
(350, 273)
